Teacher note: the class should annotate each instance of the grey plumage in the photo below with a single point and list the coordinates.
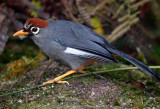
(65, 34)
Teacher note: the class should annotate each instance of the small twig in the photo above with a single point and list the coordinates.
(69, 11)
(99, 76)
(81, 75)
(100, 6)
(83, 14)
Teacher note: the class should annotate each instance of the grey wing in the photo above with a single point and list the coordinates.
(80, 40)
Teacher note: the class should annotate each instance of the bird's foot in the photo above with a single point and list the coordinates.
(56, 80)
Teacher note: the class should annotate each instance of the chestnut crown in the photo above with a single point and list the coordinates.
(32, 26)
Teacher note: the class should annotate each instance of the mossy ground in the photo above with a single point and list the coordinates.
(83, 92)
(109, 90)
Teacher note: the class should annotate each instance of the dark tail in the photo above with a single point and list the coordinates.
(137, 63)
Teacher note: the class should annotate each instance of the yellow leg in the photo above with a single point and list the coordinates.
(57, 79)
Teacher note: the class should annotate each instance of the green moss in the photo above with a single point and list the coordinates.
(117, 103)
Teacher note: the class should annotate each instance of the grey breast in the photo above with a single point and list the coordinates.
(49, 44)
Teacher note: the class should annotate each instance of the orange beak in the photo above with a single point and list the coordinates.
(20, 32)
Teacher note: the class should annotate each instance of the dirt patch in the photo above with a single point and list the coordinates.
(99, 91)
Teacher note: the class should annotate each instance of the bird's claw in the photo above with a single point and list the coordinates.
(56, 81)
(62, 82)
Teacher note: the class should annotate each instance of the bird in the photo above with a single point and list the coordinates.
(74, 44)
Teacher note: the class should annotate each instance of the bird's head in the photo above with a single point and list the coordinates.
(32, 27)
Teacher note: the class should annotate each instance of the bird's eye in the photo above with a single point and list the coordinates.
(35, 30)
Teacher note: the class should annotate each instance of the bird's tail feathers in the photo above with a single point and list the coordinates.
(137, 63)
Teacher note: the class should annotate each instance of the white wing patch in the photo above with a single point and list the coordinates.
(77, 52)
(86, 54)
